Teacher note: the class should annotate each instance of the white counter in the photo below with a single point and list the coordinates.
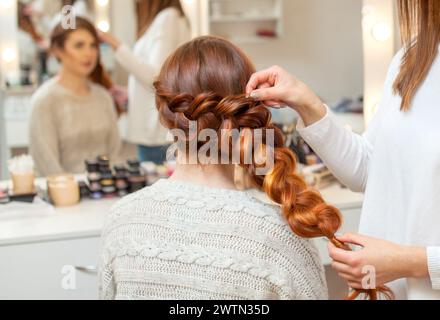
(86, 219)
(39, 246)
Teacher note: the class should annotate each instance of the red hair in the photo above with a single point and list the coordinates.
(204, 81)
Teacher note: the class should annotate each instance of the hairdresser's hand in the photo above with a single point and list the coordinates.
(378, 260)
(120, 95)
(108, 38)
(28, 10)
(275, 87)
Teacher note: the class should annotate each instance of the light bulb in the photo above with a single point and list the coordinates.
(6, 4)
(102, 3)
(104, 26)
(381, 32)
(8, 55)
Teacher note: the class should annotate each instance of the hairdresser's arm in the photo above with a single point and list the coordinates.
(43, 138)
(346, 154)
(139, 68)
(146, 68)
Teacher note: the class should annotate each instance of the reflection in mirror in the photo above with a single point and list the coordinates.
(36, 18)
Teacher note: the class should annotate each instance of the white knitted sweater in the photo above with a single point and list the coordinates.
(179, 241)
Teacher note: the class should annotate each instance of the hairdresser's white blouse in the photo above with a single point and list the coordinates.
(397, 164)
(168, 31)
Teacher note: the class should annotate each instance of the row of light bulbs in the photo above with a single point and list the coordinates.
(103, 23)
(380, 31)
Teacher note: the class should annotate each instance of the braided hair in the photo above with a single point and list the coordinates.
(203, 82)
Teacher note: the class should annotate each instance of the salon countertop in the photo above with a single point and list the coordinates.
(86, 219)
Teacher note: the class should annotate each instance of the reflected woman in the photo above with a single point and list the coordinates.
(73, 116)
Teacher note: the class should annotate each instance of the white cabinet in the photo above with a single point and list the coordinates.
(244, 21)
(59, 270)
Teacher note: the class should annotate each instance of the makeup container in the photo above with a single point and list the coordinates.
(94, 179)
(63, 190)
(107, 183)
(103, 163)
(4, 198)
(121, 180)
(23, 183)
(84, 190)
(22, 174)
(136, 178)
(92, 166)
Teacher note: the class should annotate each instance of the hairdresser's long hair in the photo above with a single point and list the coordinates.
(147, 10)
(59, 36)
(420, 29)
(204, 81)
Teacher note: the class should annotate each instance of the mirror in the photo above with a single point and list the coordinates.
(36, 18)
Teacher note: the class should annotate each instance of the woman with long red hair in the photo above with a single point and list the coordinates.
(195, 235)
(396, 162)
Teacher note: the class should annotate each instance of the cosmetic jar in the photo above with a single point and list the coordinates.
(84, 190)
(107, 182)
(136, 180)
(92, 166)
(104, 164)
(121, 182)
(23, 183)
(4, 198)
(63, 190)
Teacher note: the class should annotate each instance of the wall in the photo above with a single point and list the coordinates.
(321, 44)
(123, 26)
(377, 54)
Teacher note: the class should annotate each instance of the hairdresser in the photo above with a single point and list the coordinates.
(396, 163)
(162, 27)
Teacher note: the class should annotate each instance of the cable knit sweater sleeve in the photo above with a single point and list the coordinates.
(184, 242)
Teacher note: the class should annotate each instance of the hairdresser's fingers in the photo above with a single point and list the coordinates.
(271, 103)
(355, 285)
(339, 255)
(356, 239)
(267, 76)
(275, 105)
(264, 85)
(267, 94)
(341, 267)
(347, 277)
(109, 39)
